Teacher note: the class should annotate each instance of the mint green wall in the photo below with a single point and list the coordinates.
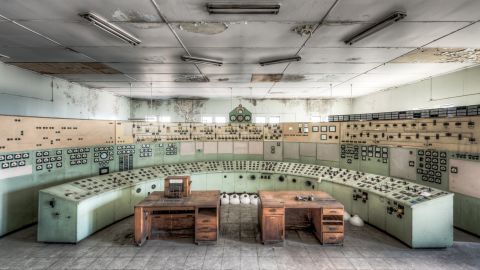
(28, 93)
(460, 88)
(289, 110)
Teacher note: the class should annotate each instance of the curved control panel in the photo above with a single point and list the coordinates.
(418, 215)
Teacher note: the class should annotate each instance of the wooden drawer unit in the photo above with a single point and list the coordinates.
(332, 211)
(203, 237)
(332, 227)
(332, 238)
(272, 221)
(206, 225)
(274, 211)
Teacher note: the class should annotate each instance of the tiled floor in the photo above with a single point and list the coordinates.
(112, 248)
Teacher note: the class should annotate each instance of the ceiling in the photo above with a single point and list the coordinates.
(436, 37)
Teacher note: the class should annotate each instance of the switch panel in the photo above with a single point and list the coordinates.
(432, 168)
(48, 160)
(78, 156)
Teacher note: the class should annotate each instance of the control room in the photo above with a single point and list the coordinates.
(240, 134)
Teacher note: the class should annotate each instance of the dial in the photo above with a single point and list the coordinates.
(233, 118)
(103, 155)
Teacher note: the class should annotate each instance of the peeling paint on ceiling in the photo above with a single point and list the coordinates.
(132, 16)
(146, 26)
(441, 55)
(190, 78)
(304, 29)
(203, 27)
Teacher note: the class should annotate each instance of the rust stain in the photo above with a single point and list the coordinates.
(67, 68)
(293, 78)
(266, 77)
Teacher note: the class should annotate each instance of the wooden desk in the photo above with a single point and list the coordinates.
(324, 214)
(198, 215)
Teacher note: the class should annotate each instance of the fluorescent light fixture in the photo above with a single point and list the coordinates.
(385, 22)
(201, 60)
(110, 28)
(224, 8)
(280, 60)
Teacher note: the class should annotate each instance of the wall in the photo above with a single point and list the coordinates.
(30, 94)
(454, 89)
(192, 110)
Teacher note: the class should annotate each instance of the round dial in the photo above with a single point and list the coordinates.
(240, 111)
(240, 118)
(233, 118)
(103, 155)
(247, 118)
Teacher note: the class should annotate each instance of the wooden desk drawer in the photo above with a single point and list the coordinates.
(332, 228)
(332, 211)
(205, 221)
(273, 211)
(206, 236)
(332, 238)
(206, 228)
(166, 222)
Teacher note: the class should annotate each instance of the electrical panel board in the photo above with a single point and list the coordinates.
(33, 133)
(311, 132)
(450, 134)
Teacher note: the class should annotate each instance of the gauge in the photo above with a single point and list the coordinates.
(247, 118)
(240, 118)
(233, 118)
(103, 155)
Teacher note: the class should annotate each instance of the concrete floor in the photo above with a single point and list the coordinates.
(112, 248)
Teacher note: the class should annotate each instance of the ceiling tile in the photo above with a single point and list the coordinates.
(82, 33)
(424, 10)
(94, 77)
(333, 68)
(12, 35)
(195, 10)
(243, 55)
(53, 54)
(68, 10)
(252, 34)
(426, 69)
(139, 68)
(351, 55)
(401, 34)
(134, 54)
(468, 37)
(243, 69)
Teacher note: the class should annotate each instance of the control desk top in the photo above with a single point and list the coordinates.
(287, 198)
(393, 188)
(196, 199)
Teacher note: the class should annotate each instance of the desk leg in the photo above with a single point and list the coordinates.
(317, 223)
(140, 228)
